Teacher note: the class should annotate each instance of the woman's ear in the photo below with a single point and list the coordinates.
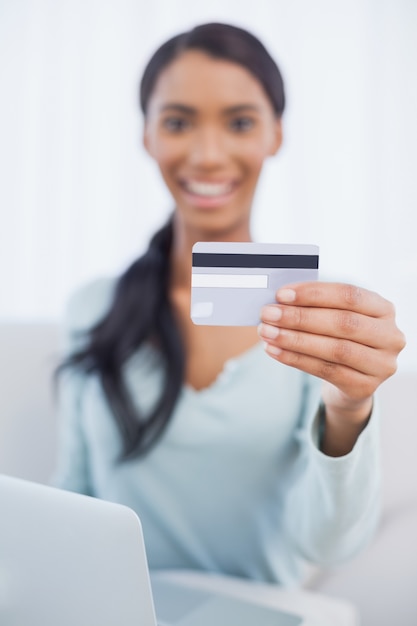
(148, 138)
(145, 140)
(277, 137)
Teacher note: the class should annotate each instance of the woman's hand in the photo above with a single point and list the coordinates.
(343, 334)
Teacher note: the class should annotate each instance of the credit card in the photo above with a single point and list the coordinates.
(232, 281)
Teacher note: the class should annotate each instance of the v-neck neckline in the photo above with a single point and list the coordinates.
(229, 365)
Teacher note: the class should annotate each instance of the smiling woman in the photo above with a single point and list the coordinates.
(226, 451)
(209, 126)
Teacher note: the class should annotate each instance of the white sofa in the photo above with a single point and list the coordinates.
(381, 582)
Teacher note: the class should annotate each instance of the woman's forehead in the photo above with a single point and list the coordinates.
(197, 79)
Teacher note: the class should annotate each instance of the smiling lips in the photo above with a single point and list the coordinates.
(203, 193)
(211, 190)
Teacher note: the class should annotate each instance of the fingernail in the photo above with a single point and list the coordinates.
(273, 350)
(268, 331)
(271, 313)
(286, 295)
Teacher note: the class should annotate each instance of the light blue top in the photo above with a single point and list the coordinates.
(237, 484)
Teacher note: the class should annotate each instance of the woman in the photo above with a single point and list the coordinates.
(235, 462)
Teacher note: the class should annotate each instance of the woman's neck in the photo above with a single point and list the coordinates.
(183, 241)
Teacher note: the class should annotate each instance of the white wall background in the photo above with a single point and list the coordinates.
(79, 198)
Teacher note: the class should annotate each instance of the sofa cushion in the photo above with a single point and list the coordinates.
(28, 355)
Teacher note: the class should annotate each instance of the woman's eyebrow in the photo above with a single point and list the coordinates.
(189, 110)
(178, 108)
(241, 108)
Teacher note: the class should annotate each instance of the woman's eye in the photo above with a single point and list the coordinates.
(242, 124)
(175, 124)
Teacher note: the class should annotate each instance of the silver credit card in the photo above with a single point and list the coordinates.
(232, 281)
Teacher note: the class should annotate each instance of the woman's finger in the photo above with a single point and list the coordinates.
(360, 357)
(370, 331)
(353, 383)
(336, 296)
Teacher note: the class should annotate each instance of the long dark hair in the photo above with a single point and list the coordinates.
(140, 311)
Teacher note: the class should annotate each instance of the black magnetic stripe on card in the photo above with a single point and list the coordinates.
(296, 261)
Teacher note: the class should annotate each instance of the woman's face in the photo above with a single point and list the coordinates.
(209, 127)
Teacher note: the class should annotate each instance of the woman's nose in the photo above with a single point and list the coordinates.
(207, 149)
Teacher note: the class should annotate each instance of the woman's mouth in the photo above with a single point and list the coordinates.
(206, 189)
(208, 194)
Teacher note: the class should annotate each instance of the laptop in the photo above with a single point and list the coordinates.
(72, 560)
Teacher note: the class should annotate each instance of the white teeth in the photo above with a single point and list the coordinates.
(208, 189)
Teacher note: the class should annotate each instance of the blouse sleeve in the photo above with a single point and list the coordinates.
(72, 471)
(333, 504)
(72, 468)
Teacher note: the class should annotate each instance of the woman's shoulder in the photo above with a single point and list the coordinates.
(89, 303)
